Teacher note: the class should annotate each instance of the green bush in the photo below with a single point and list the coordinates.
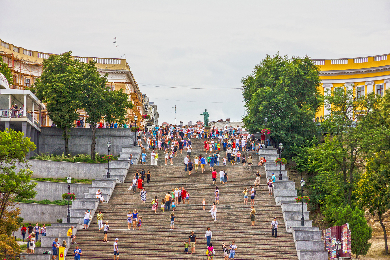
(45, 202)
(84, 158)
(83, 181)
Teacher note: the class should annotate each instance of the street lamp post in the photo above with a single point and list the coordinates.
(303, 218)
(280, 163)
(135, 130)
(108, 153)
(69, 181)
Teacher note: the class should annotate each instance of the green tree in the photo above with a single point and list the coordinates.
(14, 183)
(59, 88)
(373, 191)
(282, 94)
(6, 71)
(99, 101)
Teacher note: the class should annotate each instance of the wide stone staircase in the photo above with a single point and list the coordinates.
(155, 240)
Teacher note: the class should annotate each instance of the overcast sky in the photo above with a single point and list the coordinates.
(193, 54)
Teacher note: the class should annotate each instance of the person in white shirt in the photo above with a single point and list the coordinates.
(186, 160)
(86, 219)
(274, 225)
(214, 211)
(196, 163)
(208, 236)
(116, 251)
(152, 158)
(133, 185)
(221, 176)
(99, 195)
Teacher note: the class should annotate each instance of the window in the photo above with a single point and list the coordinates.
(379, 89)
(16, 49)
(360, 91)
(339, 90)
(27, 82)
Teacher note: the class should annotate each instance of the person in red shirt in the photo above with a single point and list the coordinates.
(23, 230)
(183, 195)
(214, 176)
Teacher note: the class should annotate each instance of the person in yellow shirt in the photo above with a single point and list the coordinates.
(70, 234)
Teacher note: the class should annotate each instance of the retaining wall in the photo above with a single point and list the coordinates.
(51, 141)
(53, 190)
(41, 213)
(52, 169)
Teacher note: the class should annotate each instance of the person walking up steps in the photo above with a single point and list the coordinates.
(208, 236)
(253, 193)
(129, 216)
(196, 163)
(192, 240)
(214, 176)
(105, 231)
(233, 248)
(274, 225)
(152, 157)
(135, 218)
(77, 253)
(155, 204)
(214, 211)
(202, 163)
(253, 215)
(270, 187)
(186, 160)
(172, 220)
(221, 176)
(216, 195)
(116, 250)
(99, 218)
(245, 196)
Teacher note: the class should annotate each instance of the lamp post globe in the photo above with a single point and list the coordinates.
(108, 164)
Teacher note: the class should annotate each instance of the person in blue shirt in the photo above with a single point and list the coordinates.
(77, 253)
(55, 248)
(273, 178)
(212, 161)
(143, 158)
(202, 163)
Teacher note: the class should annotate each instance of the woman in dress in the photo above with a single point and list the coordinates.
(135, 218)
(176, 193)
(213, 211)
(216, 195)
(155, 205)
(250, 160)
(143, 195)
(32, 243)
(140, 183)
(210, 250)
(253, 215)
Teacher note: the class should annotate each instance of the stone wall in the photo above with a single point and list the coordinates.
(51, 141)
(51, 169)
(41, 213)
(53, 190)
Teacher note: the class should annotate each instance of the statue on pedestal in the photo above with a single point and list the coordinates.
(205, 115)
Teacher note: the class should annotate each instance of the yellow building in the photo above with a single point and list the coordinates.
(363, 75)
(26, 67)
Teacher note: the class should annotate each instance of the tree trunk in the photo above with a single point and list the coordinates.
(384, 232)
(66, 139)
(93, 144)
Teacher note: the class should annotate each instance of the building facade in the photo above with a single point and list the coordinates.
(363, 75)
(26, 67)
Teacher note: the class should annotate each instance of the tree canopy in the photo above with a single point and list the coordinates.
(281, 94)
(59, 88)
(14, 183)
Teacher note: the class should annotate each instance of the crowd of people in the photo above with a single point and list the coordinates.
(220, 148)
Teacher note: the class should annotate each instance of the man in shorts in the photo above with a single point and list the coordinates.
(55, 248)
(233, 249)
(202, 163)
(192, 240)
(116, 251)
